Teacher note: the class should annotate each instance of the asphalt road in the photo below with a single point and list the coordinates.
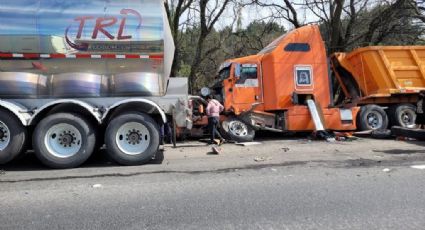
(345, 191)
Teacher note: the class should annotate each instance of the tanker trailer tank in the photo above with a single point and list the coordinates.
(98, 37)
(77, 75)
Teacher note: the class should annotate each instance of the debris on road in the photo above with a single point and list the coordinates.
(216, 149)
(422, 167)
(260, 159)
(330, 139)
(345, 136)
(286, 149)
(97, 186)
(333, 137)
(340, 138)
(408, 134)
(248, 143)
(366, 133)
(386, 170)
(400, 138)
(381, 134)
(321, 135)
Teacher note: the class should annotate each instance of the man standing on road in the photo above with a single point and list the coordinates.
(214, 109)
(420, 115)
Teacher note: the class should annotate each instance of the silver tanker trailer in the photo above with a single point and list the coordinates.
(77, 74)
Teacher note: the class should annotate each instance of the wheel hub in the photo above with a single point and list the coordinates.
(4, 136)
(134, 137)
(63, 140)
(238, 128)
(374, 120)
(406, 118)
(67, 138)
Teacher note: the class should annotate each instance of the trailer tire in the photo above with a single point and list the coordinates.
(64, 140)
(237, 130)
(13, 137)
(402, 115)
(372, 117)
(132, 138)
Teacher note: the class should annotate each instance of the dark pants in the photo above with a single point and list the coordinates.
(166, 133)
(213, 123)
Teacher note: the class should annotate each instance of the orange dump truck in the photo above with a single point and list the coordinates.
(288, 86)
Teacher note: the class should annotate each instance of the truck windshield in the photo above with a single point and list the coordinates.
(248, 76)
(224, 73)
(272, 45)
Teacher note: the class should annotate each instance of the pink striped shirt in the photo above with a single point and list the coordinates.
(214, 108)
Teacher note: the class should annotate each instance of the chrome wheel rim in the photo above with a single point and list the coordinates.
(4, 136)
(238, 128)
(133, 138)
(375, 120)
(63, 140)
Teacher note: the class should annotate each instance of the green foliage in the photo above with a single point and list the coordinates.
(222, 45)
(385, 23)
(184, 70)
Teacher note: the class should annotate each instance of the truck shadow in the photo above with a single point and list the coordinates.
(420, 150)
(400, 151)
(29, 162)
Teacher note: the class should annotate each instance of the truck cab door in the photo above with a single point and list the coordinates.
(247, 88)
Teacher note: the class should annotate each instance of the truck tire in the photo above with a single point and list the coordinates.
(132, 138)
(402, 115)
(372, 117)
(64, 140)
(13, 137)
(237, 130)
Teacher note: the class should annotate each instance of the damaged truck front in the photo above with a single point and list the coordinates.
(289, 86)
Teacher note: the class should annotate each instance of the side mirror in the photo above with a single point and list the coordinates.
(238, 70)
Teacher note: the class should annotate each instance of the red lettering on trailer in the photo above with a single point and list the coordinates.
(101, 24)
(82, 23)
(123, 21)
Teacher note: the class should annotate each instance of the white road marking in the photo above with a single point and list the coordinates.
(422, 167)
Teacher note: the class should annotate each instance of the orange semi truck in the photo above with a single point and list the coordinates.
(272, 90)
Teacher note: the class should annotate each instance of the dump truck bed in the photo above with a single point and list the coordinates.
(379, 71)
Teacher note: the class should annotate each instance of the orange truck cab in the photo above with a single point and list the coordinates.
(273, 90)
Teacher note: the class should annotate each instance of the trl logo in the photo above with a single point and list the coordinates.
(100, 26)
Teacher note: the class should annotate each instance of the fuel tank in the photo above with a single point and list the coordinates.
(124, 42)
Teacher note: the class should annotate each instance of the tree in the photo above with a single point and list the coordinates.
(252, 39)
(346, 24)
(175, 10)
(209, 13)
(286, 10)
(392, 19)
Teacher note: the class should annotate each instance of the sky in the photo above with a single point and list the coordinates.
(252, 13)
